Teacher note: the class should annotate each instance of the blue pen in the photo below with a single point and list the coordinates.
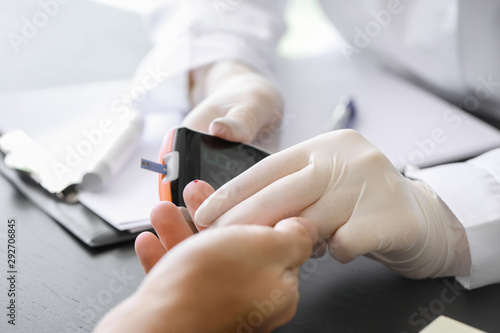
(342, 116)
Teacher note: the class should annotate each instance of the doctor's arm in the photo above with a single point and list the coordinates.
(472, 191)
(221, 56)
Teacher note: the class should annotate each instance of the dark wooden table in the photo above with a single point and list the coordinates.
(63, 286)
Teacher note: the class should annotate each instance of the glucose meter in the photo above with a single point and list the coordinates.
(187, 155)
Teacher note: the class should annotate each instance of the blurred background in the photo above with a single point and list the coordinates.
(84, 41)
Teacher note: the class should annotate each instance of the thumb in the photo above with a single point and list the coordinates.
(296, 237)
(350, 242)
(242, 123)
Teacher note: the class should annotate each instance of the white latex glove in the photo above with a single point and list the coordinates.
(358, 200)
(232, 101)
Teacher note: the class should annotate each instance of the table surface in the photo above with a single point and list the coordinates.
(64, 286)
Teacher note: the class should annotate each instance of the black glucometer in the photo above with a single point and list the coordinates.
(187, 155)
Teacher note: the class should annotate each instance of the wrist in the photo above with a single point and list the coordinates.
(441, 249)
(142, 313)
(205, 80)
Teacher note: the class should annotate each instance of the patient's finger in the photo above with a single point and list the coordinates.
(149, 250)
(169, 224)
(194, 194)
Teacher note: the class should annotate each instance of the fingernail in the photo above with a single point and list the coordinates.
(185, 213)
(313, 233)
(319, 249)
(188, 218)
(218, 127)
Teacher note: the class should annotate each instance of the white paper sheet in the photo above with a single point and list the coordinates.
(50, 116)
(128, 199)
(407, 123)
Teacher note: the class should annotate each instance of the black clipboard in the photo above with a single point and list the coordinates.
(74, 217)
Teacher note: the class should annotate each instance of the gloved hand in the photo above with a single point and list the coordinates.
(232, 101)
(360, 203)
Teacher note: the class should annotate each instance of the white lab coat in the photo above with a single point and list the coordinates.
(449, 46)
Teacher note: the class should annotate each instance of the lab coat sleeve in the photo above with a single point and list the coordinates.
(188, 34)
(472, 191)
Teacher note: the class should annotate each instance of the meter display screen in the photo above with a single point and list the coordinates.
(221, 161)
(208, 158)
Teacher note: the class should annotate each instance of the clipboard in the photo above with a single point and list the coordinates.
(74, 217)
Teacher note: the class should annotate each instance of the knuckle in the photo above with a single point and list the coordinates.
(372, 157)
(349, 135)
(345, 137)
(265, 94)
(340, 247)
(209, 106)
(259, 91)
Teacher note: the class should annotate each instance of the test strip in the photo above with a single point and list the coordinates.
(153, 166)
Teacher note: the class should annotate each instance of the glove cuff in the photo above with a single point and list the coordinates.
(444, 250)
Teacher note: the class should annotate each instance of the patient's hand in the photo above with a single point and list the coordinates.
(240, 277)
(170, 225)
